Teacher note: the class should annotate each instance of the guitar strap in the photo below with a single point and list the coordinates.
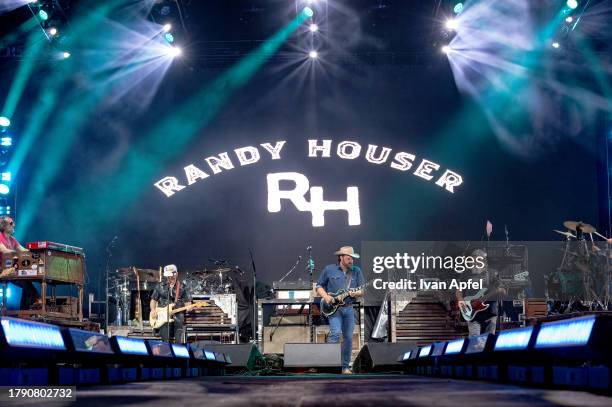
(177, 287)
(350, 277)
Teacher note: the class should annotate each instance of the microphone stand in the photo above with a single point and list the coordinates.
(310, 268)
(169, 308)
(292, 269)
(254, 326)
(109, 254)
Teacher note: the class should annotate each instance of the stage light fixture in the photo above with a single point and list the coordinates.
(4, 189)
(174, 52)
(573, 332)
(446, 49)
(458, 8)
(573, 4)
(407, 355)
(308, 12)
(425, 351)
(89, 342)
(66, 54)
(6, 176)
(167, 27)
(569, 19)
(43, 15)
(32, 335)
(131, 346)
(556, 44)
(180, 351)
(452, 24)
(313, 28)
(313, 54)
(454, 347)
(5, 121)
(513, 339)
(8, 292)
(169, 38)
(6, 141)
(210, 355)
(52, 31)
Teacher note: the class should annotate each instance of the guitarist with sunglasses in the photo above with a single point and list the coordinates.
(171, 291)
(333, 279)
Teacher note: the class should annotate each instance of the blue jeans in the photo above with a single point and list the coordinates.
(343, 321)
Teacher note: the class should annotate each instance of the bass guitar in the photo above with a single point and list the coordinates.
(474, 304)
(163, 313)
(338, 300)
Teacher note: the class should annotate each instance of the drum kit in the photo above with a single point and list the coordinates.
(210, 282)
(584, 273)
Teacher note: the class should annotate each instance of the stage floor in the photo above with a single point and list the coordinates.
(330, 390)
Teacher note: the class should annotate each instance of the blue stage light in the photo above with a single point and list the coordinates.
(180, 351)
(458, 8)
(4, 189)
(28, 334)
(572, 332)
(514, 339)
(8, 292)
(4, 121)
(6, 176)
(209, 355)
(438, 349)
(160, 348)
(477, 344)
(454, 347)
(407, 355)
(425, 351)
(132, 346)
(89, 342)
(6, 141)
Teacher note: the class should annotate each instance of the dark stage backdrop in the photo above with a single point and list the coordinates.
(412, 109)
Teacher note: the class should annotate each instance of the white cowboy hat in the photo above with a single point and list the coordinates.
(347, 250)
(170, 270)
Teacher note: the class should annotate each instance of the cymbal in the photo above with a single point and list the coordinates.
(586, 228)
(566, 234)
(221, 270)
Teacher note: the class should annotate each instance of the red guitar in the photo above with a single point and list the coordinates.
(472, 305)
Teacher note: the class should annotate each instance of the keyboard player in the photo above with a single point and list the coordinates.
(9, 245)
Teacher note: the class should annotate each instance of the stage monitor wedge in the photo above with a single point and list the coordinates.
(381, 356)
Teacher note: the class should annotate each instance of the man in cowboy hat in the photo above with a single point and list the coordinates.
(167, 292)
(342, 275)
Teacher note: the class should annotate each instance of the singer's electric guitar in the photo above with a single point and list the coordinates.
(338, 300)
(159, 320)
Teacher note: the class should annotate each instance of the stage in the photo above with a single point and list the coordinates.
(331, 390)
(201, 200)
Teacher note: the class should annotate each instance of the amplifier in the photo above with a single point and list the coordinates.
(282, 335)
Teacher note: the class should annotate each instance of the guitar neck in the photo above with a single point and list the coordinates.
(187, 307)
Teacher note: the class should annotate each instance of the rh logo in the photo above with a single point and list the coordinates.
(317, 206)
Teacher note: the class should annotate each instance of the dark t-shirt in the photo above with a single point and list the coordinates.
(160, 294)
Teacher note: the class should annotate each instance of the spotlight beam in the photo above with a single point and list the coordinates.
(108, 201)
